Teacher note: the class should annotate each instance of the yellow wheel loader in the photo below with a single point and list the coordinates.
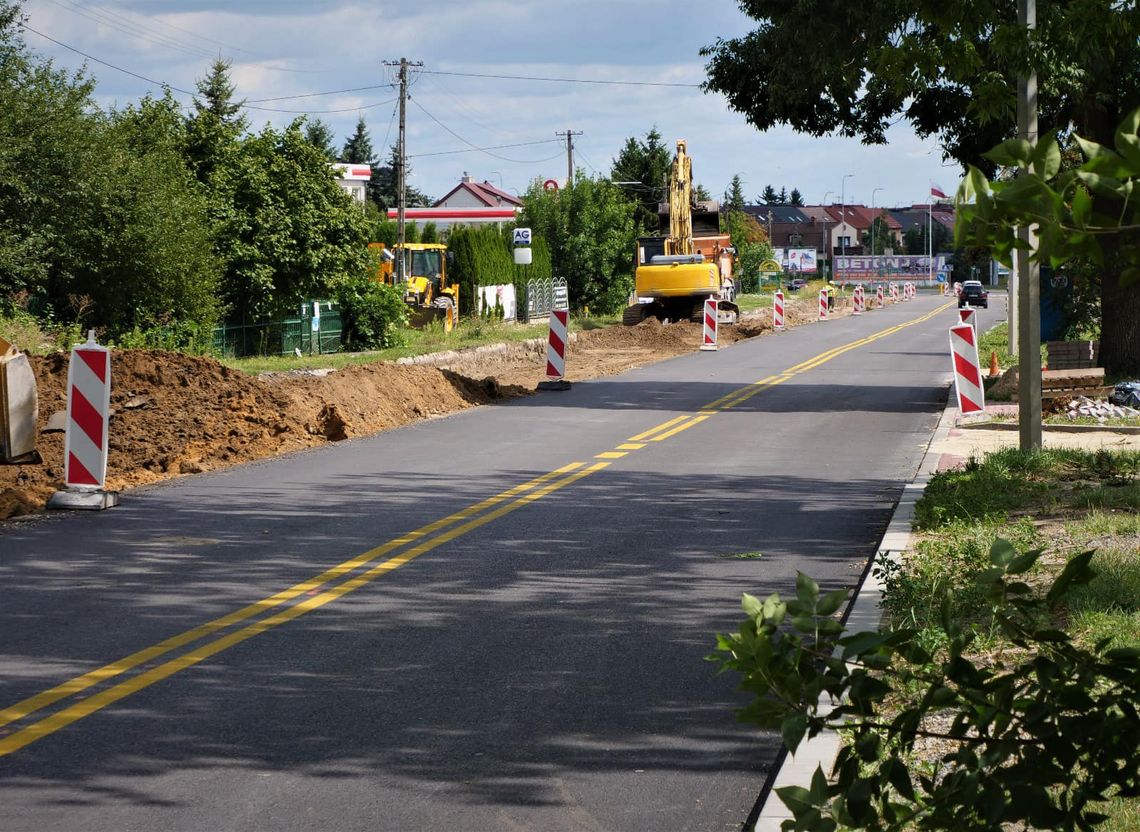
(677, 272)
(426, 291)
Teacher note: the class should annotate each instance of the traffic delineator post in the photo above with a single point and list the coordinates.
(86, 438)
(894, 293)
(709, 325)
(857, 301)
(778, 311)
(881, 301)
(967, 371)
(823, 304)
(556, 351)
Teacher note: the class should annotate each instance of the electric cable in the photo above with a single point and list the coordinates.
(492, 147)
(188, 92)
(561, 80)
(472, 145)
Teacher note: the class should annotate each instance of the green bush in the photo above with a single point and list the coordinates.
(372, 313)
(1041, 739)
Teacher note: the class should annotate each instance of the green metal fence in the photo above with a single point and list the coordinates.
(307, 334)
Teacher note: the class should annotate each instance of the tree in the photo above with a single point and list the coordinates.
(769, 196)
(358, 147)
(701, 193)
(796, 199)
(647, 164)
(750, 239)
(592, 231)
(216, 124)
(951, 70)
(734, 196)
(284, 229)
(97, 210)
(877, 238)
(383, 185)
(1085, 215)
(320, 136)
(782, 199)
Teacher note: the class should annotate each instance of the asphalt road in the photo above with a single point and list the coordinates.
(493, 653)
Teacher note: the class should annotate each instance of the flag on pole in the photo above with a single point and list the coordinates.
(937, 191)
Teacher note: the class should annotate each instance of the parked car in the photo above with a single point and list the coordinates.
(796, 283)
(974, 294)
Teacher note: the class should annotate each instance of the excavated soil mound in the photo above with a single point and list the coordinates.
(176, 414)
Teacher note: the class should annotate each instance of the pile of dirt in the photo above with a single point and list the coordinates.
(176, 414)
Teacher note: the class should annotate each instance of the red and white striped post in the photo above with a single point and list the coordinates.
(894, 293)
(556, 345)
(709, 327)
(778, 311)
(86, 439)
(881, 301)
(823, 304)
(967, 370)
(857, 301)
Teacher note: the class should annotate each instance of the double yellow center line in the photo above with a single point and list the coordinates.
(425, 539)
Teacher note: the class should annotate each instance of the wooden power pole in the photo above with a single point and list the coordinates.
(402, 164)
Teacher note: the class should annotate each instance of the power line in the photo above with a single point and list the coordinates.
(562, 80)
(193, 94)
(492, 147)
(106, 63)
(473, 146)
(330, 92)
(128, 27)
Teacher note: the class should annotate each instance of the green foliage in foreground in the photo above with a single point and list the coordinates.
(1043, 739)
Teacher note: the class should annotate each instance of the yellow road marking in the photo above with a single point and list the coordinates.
(80, 683)
(662, 426)
(86, 707)
(611, 455)
(695, 420)
(631, 446)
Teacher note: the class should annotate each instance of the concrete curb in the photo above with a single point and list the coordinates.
(863, 614)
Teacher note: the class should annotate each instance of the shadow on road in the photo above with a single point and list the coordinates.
(559, 645)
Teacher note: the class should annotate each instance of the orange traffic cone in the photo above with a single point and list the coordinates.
(994, 371)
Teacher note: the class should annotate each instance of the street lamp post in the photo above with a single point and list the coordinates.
(874, 220)
(843, 210)
(826, 240)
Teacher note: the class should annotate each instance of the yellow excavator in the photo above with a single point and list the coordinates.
(426, 290)
(675, 273)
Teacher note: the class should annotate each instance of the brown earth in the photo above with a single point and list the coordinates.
(175, 414)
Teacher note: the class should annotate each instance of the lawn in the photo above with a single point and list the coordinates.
(414, 342)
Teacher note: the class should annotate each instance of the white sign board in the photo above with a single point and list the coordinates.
(522, 237)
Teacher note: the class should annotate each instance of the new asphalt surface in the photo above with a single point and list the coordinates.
(529, 660)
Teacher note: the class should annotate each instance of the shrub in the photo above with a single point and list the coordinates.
(1035, 741)
(372, 313)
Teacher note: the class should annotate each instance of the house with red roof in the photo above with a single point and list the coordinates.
(471, 194)
(468, 203)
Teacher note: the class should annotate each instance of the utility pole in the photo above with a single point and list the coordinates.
(570, 134)
(402, 165)
(1028, 273)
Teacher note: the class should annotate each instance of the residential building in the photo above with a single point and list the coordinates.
(353, 179)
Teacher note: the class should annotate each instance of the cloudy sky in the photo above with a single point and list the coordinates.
(284, 50)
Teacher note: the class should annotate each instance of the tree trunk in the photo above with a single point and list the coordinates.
(1120, 318)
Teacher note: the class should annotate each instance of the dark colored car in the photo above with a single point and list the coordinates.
(973, 294)
(795, 284)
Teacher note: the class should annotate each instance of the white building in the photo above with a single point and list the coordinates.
(353, 178)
